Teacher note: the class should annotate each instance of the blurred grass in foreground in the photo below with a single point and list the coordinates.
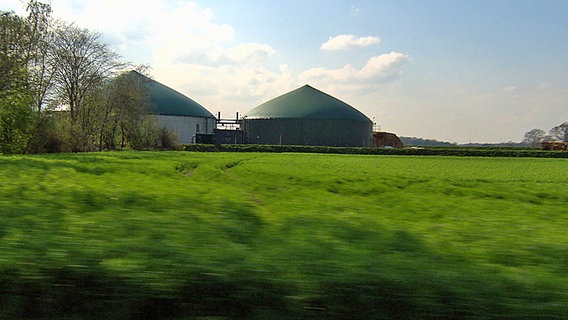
(179, 235)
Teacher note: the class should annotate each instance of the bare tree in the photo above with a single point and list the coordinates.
(560, 132)
(131, 108)
(82, 63)
(534, 137)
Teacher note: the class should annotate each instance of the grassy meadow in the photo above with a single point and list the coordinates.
(184, 235)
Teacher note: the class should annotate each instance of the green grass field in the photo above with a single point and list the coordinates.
(182, 235)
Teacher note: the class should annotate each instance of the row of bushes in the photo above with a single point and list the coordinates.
(430, 151)
(91, 293)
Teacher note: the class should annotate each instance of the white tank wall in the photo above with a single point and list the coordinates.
(186, 127)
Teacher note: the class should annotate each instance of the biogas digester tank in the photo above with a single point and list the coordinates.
(307, 116)
(177, 112)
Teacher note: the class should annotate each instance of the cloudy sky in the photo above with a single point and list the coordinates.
(456, 70)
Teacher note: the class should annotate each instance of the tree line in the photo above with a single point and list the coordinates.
(63, 89)
(536, 137)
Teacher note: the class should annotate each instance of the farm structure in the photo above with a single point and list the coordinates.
(307, 116)
(554, 145)
(386, 139)
(178, 113)
(229, 131)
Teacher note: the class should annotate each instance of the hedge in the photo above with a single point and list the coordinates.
(429, 151)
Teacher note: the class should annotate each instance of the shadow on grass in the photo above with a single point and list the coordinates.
(407, 282)
(91, 293)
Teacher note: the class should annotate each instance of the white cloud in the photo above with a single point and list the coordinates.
(186, 49)
(228, 88)
(192, 53)
(377, 71)
(136, 28)
(348, 42)
(249, 53)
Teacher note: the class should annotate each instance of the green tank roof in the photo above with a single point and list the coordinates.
(306, 103)
(167, 101)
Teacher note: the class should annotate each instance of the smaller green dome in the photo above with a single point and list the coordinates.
(167, 101)
(306, 103)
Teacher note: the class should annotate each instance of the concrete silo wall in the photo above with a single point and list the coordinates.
(186, 127)
(310, 132)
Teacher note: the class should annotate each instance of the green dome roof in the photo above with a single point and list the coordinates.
(306, 103)
(167, 101)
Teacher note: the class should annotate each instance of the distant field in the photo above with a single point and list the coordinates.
(183, 235)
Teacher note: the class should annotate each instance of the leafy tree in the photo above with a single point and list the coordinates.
(39, 39)
(15, 117)
(12, 64)
(23, 46)
(534, 137)
(560, 132)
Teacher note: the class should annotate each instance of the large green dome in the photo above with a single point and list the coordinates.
(167, 101)
(307, 116)
(306, 103)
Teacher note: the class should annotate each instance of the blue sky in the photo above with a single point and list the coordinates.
(459, 71)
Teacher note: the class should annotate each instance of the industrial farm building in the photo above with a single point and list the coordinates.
(307, 116)
(178, 113)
